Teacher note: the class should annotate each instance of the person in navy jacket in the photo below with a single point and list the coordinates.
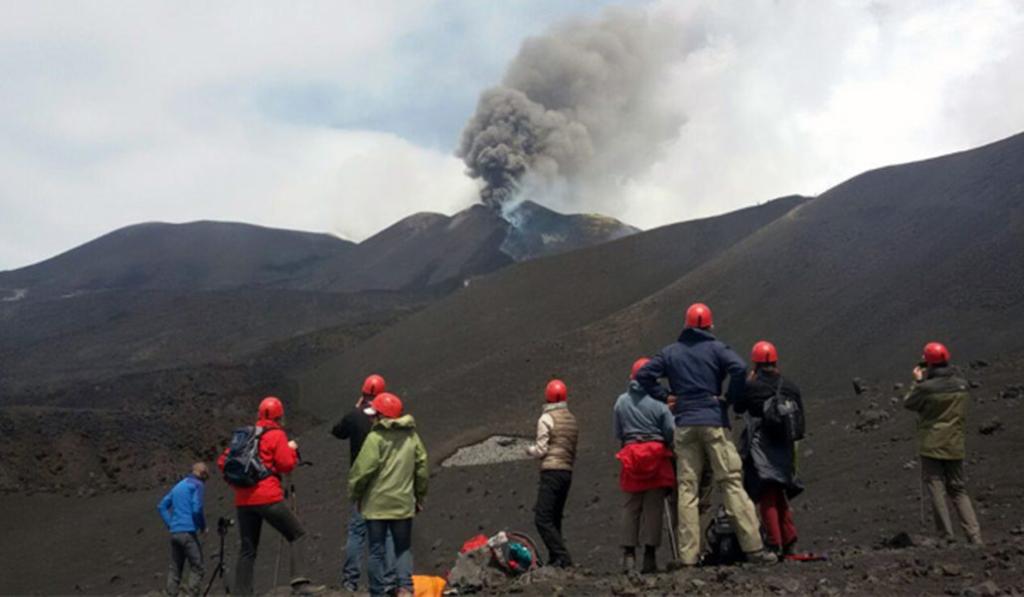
(696, 367)
(182, 511)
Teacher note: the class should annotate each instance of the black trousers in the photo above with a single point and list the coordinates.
(552, 492)
(250, 523)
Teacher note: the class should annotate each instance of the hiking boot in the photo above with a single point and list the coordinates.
(628, 563)
(762, 557)
(789, 550)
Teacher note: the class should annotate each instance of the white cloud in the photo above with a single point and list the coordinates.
(113, 113)
(787, 97)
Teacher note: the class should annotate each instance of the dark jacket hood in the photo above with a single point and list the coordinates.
(695, 335)
(635, 390)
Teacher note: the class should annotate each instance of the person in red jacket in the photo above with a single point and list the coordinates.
(265, 501)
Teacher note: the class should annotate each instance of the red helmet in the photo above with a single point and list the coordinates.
(386, 405)
(698, 316)
(637, 366)
(764, 352)
(271, 409)
(936, 353)
(556, 391)
(374, 385)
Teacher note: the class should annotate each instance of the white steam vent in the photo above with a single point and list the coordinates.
(493, 450)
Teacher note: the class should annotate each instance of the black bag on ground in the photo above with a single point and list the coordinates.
(723, 544)
(243, 466)
(783, 417)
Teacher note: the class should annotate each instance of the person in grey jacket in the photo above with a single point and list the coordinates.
(645, 428)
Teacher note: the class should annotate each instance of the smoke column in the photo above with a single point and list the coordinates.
(577, 113)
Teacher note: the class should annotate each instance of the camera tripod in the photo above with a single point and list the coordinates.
(222, 531)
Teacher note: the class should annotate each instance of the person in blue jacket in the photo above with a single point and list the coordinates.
(696, 367)
(182, 511)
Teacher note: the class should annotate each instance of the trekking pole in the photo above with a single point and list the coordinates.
(920, 501)
(290, 496)
(290, 491)
(671, 530)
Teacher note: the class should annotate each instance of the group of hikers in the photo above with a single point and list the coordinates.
(675, 437)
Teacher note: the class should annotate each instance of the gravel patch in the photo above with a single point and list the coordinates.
(493, 450)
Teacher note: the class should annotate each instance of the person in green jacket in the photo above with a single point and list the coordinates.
(388, 483)
(939, 396)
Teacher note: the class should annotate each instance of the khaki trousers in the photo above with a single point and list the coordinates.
(942, 476)
(693, 445)
(642, 517)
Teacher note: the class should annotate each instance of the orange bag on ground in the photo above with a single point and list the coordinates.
(428, 586)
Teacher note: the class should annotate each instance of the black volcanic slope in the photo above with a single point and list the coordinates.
(101, 335)
(851, 282)
(539, 299)
(425, 250)
(194, 256)
(421, 250)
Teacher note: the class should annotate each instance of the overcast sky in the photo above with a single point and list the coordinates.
(343, 117)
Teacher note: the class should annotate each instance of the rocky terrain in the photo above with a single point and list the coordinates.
(861, 510)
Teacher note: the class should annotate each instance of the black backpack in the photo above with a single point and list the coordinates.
(723, 545)
(783, 417)
(243, 466)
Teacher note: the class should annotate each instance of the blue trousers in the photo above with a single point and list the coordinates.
(401, 532)
(354, 549)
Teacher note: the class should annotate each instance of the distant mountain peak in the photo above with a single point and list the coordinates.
(537, 231)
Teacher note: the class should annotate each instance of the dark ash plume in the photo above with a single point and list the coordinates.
(578, 112)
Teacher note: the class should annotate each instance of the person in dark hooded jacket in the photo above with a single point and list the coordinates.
(695, 367)
(769, 458)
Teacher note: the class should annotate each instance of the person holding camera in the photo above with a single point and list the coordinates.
(768, 446)
(939, 396)
(182, 511)
(263, 499)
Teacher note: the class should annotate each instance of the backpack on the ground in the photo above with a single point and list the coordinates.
(243, 466)
(783, 417)
(723, 544)
(485, 563)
